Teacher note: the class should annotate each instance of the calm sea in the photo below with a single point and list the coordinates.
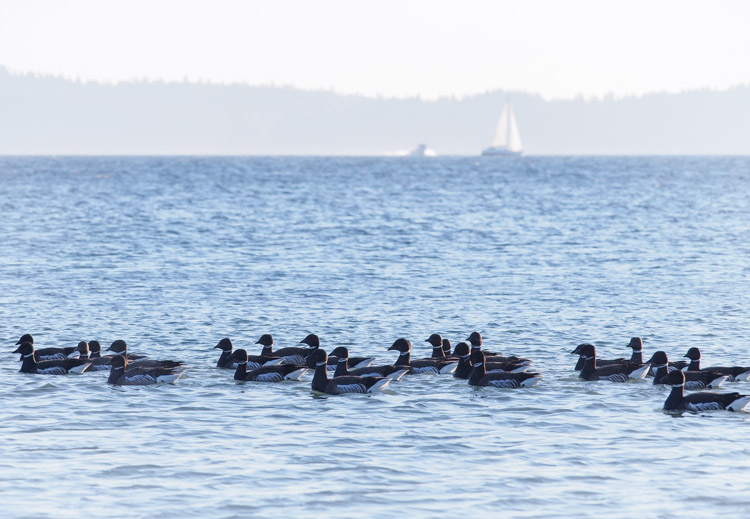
(539, 254)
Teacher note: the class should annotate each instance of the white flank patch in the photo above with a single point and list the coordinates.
(450, 368)
(74, 355)
(718, 381)
(739, 404)
(640, 373)
(520, 369)
(743, 377)
(364, 364)
(398, 375)
(296, 374)
(379, 385)
(79, 369)
(531, 382)
(274, 362)
(169, 379)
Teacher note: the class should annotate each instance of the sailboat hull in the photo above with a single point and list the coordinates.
(500, 152)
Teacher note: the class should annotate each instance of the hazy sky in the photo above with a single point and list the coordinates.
(391, 48)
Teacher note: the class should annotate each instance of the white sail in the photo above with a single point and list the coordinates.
(500, 140)
(507, 139)
(514, 138)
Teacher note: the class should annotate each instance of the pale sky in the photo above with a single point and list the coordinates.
(391, 48)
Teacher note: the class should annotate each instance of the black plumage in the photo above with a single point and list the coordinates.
(480, 377)
(29, 363)
(613, 372)
(121, 374)
(342, 367)
(403, 346)
(342, 385)
(733, 372)
(701, 401)
(694, 380)
(265, 373)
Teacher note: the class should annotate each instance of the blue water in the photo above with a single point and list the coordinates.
(539, 254)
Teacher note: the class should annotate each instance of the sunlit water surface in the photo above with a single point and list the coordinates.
(539, 254)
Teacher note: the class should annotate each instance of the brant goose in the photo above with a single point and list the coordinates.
(599, 362)
(47, 353)
(265, 373)
(480, 376)
(464, 368)
(475, 339)
(48, 367)
(446, 347)
(637, 344)
(97, 364)
(342, 385)
(733, 372)
(313, 341)
(120, 347)
(139, 376)
(693, 379)
(342, 367)
(253, 361)
(421, 365)
(291, 355)
(612, 372)
(702, 401)
(439, 350)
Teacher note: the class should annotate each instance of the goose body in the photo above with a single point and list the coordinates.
(120, 375)
(120, 348)
(613, 372)
(343, 385)
(29, 363)
(291, 355)
(480, 377)
(253, 361)
(475, 339)
(437, 366)
(342, 368)
(464, 367)
(43, 354)
(265, 373)
(734, 373)
(694, 380)
(701, 401)
(97, 364)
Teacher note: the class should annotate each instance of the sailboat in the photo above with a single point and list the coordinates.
(507, 140)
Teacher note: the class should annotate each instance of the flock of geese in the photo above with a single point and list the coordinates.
(338, 373)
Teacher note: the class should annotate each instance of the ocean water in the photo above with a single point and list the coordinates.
(539, 254)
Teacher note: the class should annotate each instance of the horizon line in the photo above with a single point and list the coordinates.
(366, 156)
(76, 80)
